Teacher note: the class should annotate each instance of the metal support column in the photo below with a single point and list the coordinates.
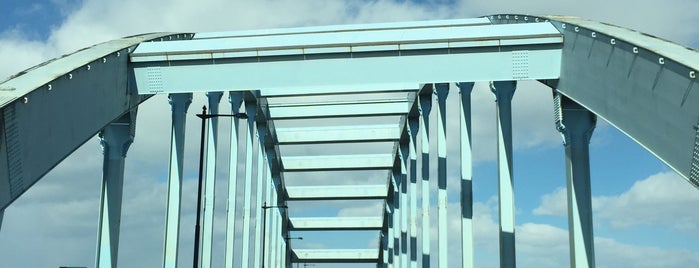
(397, 211)
(179, 103)
(403, 153)
(390, 237)
(251, 110)
(425, 99)
(259, 187)
(268, 227)
(210, 179)
(441, 92)
(236, 100)
(115, 139)
(466, 173)
(2, 214)
(272, 230)
(413, 123)
(576, 124)
(504, 91)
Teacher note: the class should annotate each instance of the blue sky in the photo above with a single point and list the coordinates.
(639, 203)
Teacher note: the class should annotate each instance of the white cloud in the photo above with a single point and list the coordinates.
(660, 200)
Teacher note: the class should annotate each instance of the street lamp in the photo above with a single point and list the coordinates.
(204, 116)
(264, 224)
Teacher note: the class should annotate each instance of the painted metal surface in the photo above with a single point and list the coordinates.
(379, 57)
(93, 79)
(467, 249)
(115, 140)
(337, 162)
(299, 193)
(425, 100)
(335, 223)
(336, 255)
(576, 124)
(341, 109)
(251, 111)
(636, 82)
(179, 103)
(335, 134)
(210, 179)
(504, 91)
(441, 91)
(236, 101)
(260, 184)
(412, 125)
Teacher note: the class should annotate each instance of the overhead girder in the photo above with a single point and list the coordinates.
(341, 61)
(335, 255)
(299, 193)
(335, 223)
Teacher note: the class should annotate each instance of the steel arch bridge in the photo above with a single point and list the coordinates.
(644, 86)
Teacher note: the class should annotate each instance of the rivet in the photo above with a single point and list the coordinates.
(492, 17)
(635, 50)
(577, 29)
(661, 61)
(692, 74)
(25, 100)
(526, 18)
(70, 76)
(128, 50)
(161, 39)
(104, 60)
(50, 87)
(613, 41)
(516, 17)
(178, 36)
(118, 53)
(563, 25)
(88, 67)
(499, 16)
(536, 19)
(507, 17)
(594, 34)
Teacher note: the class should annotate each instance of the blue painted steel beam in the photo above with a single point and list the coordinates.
(634, 81)
(179, 103)
(236, 101)
(441, 91)
(413, 125)
(210, 179)
(504, 91)
(336, 255)
(576, 125)
(425, 101)
(93, 79)
(330, 192)
(374, 58)
(115, 140)
(251, 111)
(467, 256)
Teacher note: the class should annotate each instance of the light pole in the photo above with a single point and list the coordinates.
(264, 224)
(204, 116)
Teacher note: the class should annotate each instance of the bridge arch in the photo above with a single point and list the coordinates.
(642, 85)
